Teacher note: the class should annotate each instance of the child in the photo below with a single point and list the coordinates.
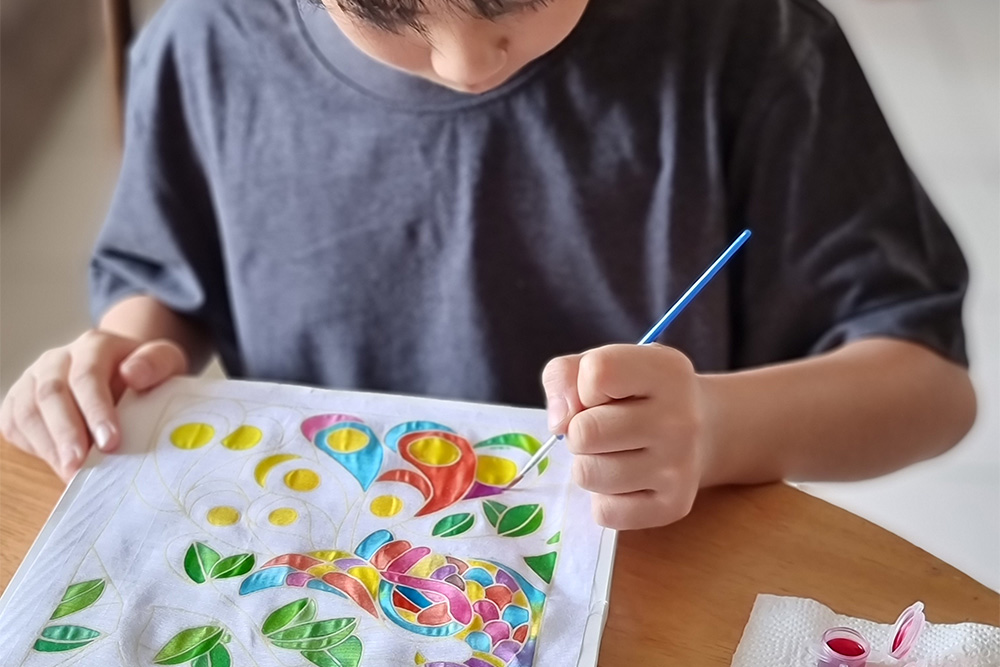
(437, 196)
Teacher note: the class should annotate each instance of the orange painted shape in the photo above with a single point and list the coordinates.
(389, 553)
(449, 483)
(436, 614)
(459, 563)
(353, 588)
(298, 561)
(521, 633)
(500, 595)
(401, 602)
(410, 477)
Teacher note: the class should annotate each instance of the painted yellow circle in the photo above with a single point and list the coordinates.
(386, 506)
(435, 451)
(347, 440)
(301, 479)
(495, 471)
(244, 437)
(283, 516)
(192, 436)
(223, 515)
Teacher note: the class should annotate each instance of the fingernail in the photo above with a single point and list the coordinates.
(139, 370)
(102, 435)
(558, 408)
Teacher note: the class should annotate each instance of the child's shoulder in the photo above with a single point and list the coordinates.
(183, 27)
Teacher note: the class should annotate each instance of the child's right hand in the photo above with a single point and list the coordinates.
(65, 401)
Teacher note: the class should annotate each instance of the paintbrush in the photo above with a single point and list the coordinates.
(651, 336)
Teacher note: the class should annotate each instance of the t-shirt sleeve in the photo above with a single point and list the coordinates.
(160, 237)
(846, 243)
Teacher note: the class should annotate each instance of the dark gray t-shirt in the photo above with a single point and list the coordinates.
(335, 222)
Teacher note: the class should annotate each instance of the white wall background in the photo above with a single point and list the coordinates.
(935, 68)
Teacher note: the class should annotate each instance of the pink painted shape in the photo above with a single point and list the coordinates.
(298, 579)
(458, 562)
(405, 561)
(498, 630)
(461, 608)
(486, 609)
(480, 490)
(313, 425)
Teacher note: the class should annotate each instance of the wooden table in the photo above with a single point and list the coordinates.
(683, 593)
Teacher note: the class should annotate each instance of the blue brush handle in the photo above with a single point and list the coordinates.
(692, 291)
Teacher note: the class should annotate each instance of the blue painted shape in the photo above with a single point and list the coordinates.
(373, 543)
(398, 431)
(320, 585)
(364, 464)
(271, 577)
(479, 575)
(385, 602)
(515, 615)
(414, 596)
(479, 641)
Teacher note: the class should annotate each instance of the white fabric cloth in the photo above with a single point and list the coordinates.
(131, 518)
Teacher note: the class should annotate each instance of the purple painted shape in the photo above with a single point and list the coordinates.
(314, 425)
(507, 580)
(407, 560)
(444, 572)
(487, 609)
(498, 630)
(480, 490)
(476, 662)
(458, 604)
(445, 664)
(345, 563)
(527, 655)
(298, 579)
(506, 649)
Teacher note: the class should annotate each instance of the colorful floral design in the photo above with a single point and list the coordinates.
(490, 606)
(446, 468)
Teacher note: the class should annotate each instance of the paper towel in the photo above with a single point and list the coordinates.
(782, 632)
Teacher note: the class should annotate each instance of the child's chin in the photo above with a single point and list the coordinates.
(476, 89)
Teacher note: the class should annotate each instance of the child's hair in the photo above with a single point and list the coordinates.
(392, 15)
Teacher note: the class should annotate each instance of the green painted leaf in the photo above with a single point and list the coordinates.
(233, 566)
(58, 638)
(520, 520)
(188, 645)
(453, 525)
(79, 596)
(314, 636)
(544, 566)
(554, 538)
(493, 510)
(345, 654)
(543, 465)
(293, 613)
(217, 657)
(199, 561)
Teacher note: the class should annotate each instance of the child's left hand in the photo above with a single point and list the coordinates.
(635, 419)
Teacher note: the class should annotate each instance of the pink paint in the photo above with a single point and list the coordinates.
(843, 647)
(313, 425)
(497, 630)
